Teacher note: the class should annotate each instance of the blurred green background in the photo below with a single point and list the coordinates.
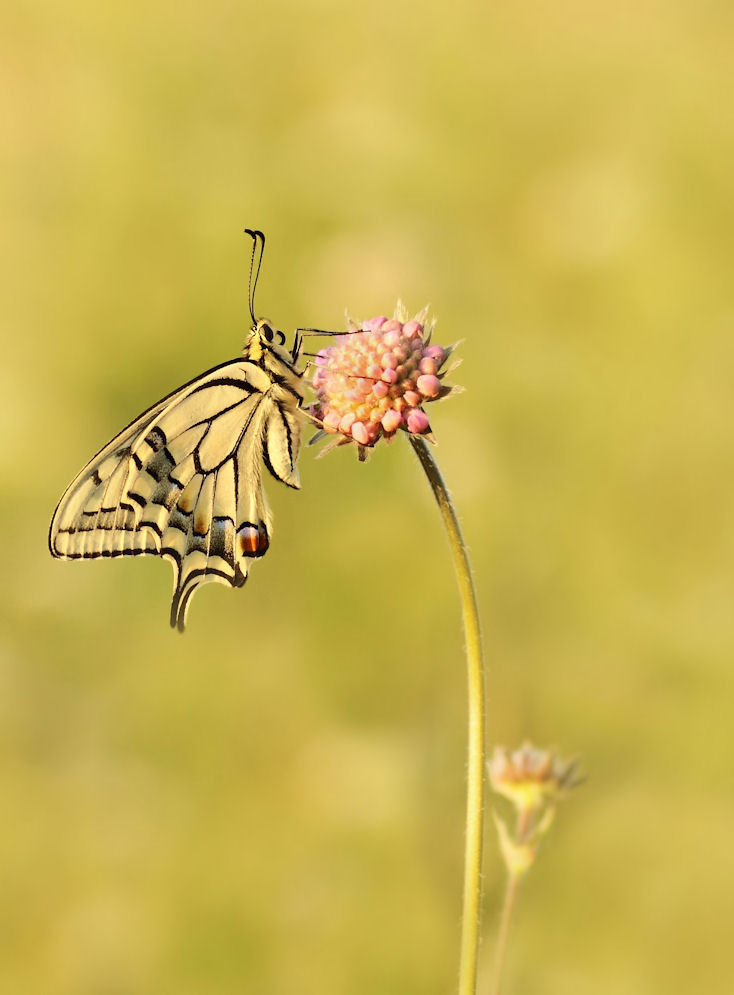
(274, 802)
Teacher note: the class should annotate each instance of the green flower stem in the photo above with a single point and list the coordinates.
(471, 910)
(522, 832)
(508, 907)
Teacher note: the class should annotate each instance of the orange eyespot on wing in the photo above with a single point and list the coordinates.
(252, 540)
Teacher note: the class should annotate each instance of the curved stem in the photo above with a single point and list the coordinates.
(471, 910)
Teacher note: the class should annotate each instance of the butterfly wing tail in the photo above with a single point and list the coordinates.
(203, 541)
(185, 587)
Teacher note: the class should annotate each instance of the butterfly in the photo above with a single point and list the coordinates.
(184, 479)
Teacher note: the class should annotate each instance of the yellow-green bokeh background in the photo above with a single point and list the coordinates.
(273, 803)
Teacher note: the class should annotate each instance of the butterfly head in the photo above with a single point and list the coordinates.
(265, 339)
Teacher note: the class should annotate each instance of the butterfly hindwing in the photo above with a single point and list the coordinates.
(281, 443)
(184, 480)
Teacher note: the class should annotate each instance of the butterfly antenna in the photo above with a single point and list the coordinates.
(323, 331)
(257, 238)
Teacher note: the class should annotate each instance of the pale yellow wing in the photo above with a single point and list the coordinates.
(184, 481)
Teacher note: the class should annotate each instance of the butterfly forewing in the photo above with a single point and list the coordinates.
(184, 480)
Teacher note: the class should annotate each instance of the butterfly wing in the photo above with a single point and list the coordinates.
(184, 481)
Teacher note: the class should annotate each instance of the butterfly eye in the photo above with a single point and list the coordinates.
(281, 338)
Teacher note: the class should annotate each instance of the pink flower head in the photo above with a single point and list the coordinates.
(374, 380)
